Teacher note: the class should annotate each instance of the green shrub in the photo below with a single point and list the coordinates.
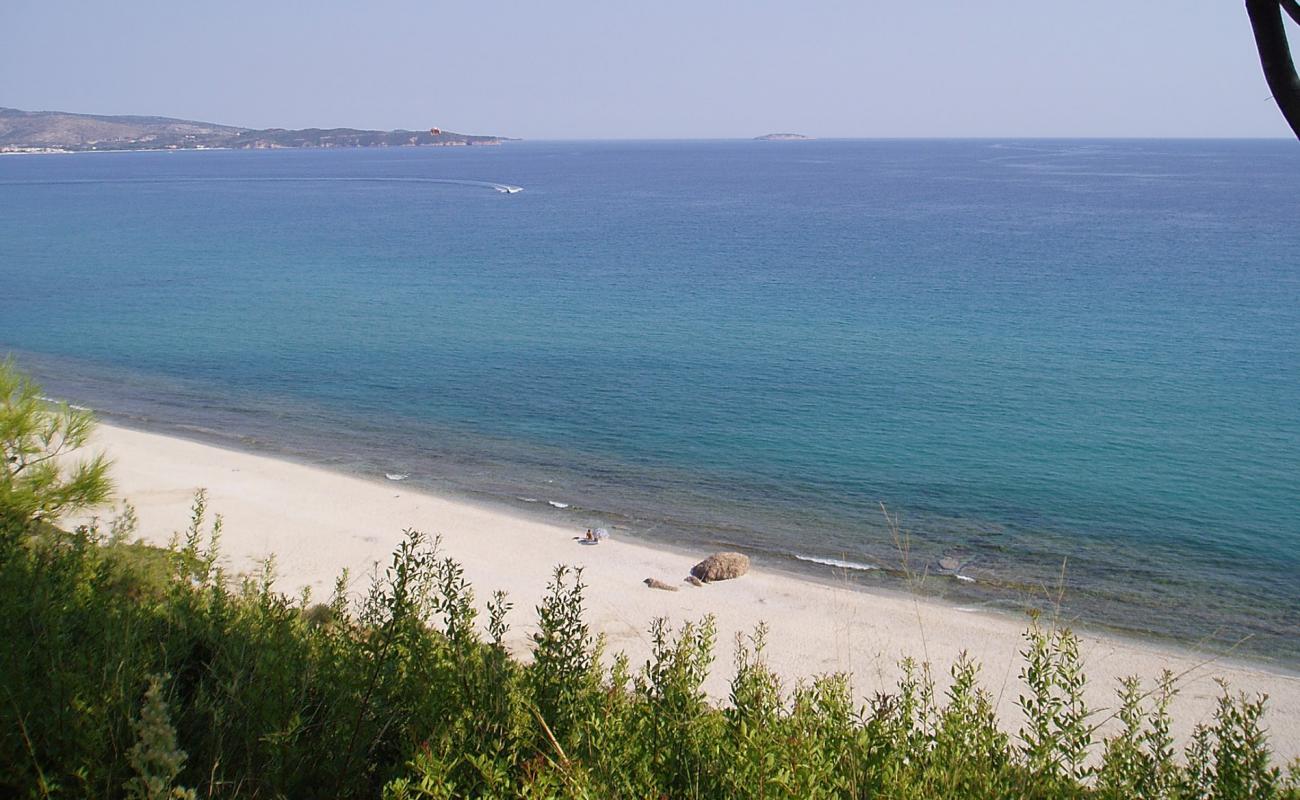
(271, 696)
(155, 756)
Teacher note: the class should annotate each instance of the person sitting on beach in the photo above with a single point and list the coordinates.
(591, 537)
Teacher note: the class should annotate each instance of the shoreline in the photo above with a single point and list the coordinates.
(60, 152)
(789, 564)
(943, 589)
(318, 521)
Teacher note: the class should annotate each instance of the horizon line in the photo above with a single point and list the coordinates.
(737, 137)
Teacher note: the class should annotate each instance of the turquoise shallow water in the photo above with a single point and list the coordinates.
(1037, 352)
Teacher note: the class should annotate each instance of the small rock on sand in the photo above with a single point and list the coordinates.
(721, 567)
(655, 583)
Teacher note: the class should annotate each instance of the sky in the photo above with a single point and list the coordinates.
(606, 69)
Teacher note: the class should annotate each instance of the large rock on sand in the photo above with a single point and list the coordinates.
(721, 567)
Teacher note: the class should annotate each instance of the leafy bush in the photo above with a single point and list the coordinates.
(121, 680)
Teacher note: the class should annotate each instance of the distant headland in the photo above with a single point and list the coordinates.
(61, 132)
(783, 137)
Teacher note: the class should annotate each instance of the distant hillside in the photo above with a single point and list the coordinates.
(57, 131)
(783, 137)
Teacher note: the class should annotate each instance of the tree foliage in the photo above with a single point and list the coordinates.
(36, 437)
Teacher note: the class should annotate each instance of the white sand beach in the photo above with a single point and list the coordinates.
(318, 522)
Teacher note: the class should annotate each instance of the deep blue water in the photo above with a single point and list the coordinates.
(1036, 352)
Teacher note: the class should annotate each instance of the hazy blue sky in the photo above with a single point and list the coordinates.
(667, 68)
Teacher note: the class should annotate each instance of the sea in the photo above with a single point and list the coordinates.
(1016, 375)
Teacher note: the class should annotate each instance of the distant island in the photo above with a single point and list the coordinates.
(61, 132)
(783, 137)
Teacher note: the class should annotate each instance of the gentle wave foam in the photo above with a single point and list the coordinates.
(839, 563)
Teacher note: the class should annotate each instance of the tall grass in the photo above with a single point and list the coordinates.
(134, 672)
